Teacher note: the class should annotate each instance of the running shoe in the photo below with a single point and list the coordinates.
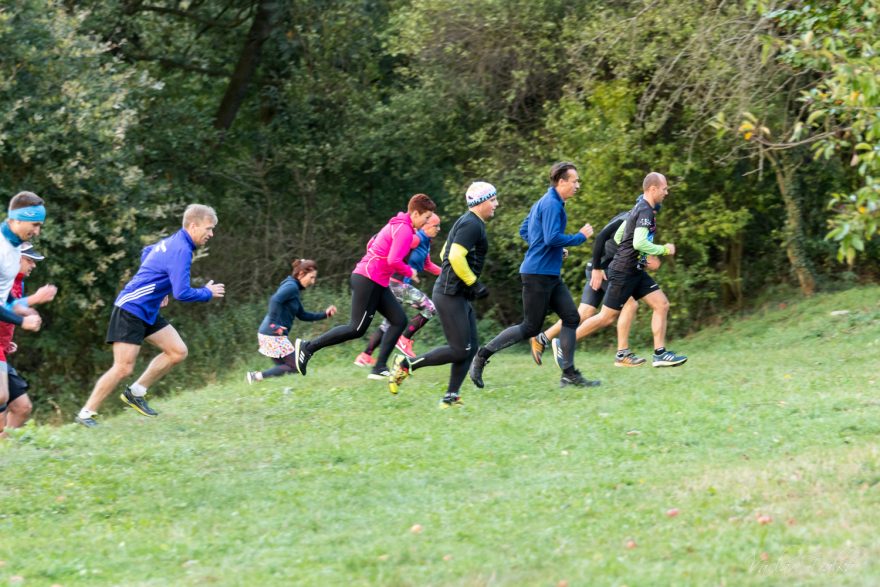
(302, 355)
(399, 373)
(364, 360)
(669, 359)
(476, 370)
(139, 404)
(629, 360)
(575, 379)
(537, 349)
(89, 422)
(557, 352)
(251, 377)
(405, 345)
(451, 400)
(380, 374)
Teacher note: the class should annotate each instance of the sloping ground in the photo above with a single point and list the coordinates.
(755, 463)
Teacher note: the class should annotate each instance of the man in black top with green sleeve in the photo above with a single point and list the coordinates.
(462, 260)
(627, 277)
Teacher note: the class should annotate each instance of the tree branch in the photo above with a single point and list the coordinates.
(770, 146)
(213, 22)
(170, 63)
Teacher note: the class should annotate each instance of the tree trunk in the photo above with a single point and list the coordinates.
(246, 66)
(732, 294)
(793, 230)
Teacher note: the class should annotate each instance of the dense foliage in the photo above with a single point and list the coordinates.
(307, 124)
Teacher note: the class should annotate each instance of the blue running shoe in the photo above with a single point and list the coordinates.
(669, 359)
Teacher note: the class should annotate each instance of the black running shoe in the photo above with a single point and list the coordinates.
(577, 380)
(139, 404)
(302, 355)
(89, 422)
(380, 374)
(451, 400)
(476, 370)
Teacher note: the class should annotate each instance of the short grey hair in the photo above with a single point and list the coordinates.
(197, 213)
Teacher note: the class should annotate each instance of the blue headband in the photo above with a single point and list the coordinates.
(29, 214)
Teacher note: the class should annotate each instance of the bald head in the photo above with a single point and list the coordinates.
(654, 188)
(653, 179)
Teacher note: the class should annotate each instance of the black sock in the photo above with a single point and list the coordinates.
(660, 351)
(570, 372)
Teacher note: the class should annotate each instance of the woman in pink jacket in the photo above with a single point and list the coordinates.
(369, 285)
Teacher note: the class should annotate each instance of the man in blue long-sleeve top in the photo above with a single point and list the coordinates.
(165, 270)
(544, 230)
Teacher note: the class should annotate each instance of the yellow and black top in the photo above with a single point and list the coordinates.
(463, 255)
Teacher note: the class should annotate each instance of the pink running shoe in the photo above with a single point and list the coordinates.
(405, 345)
(364, 360)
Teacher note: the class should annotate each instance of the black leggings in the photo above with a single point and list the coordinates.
(367, 297)
(283, 365)
(460, 328)
(540, 293)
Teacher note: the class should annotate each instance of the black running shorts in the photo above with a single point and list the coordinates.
(17, 385)
(623, 286)
(591, 297)
(126, 327)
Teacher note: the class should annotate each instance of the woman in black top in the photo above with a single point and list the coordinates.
(284, 306)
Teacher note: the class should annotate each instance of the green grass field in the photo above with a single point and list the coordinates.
(765, 443)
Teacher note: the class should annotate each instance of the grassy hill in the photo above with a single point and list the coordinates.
(756, 463)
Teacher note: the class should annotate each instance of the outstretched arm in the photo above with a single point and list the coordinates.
(554, 235)
(180, 281)
(643, 245)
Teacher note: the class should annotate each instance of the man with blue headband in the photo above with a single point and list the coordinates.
(24, 222)
(164, 271)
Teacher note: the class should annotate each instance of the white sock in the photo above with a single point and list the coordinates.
(86, 413)
(258, 375)
(138, 390)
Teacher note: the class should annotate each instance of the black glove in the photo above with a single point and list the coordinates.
(477, 291)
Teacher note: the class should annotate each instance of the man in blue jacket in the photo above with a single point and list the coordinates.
(543, 288)
(164, 271)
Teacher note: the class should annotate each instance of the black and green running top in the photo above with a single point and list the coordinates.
(638, 240)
